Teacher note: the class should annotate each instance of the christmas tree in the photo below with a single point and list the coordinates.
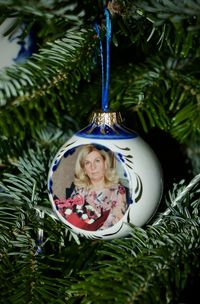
(154, 83)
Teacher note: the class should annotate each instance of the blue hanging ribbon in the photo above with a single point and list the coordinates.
(101, 56)
(105, 90)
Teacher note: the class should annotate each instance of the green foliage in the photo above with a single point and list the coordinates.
(39, 87)
(166, 55)
(155, 55)
(143, 267)
(50, 266)
(45, 9)
(148, 93)
(25, 213)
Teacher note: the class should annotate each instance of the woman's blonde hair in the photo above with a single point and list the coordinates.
(82, 180)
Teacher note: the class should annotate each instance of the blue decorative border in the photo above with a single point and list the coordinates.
(106, 132)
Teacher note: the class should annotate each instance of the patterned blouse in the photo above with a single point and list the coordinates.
(93, 210)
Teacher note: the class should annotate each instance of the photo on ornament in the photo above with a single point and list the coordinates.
(90, 188)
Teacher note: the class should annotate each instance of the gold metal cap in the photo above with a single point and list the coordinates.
(106, 118)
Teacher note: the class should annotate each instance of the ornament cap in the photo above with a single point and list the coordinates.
(106, 118)
(106, 125)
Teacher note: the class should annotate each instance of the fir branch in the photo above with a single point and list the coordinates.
(42, 261)
(23, 198)
(52, 74)
(44, 9)
(140, 265)
(158, 11)
(24, 191)
(142, 96)
(158, 22)
(174, 10)
(195, 181)
(45, 70)
(144, 266)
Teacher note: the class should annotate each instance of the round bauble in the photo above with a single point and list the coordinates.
(104, 178)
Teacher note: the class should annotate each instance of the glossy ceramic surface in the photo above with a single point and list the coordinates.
(138, 168)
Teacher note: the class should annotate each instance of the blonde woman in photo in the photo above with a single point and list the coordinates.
(98, 200)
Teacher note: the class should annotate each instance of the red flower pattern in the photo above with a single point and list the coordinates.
(90, 206)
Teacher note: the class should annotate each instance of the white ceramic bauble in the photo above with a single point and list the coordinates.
(138, 169)
(12, 48)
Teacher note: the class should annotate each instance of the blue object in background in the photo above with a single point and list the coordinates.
(12, 48)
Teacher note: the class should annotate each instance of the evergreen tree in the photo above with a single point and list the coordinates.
(155, 57)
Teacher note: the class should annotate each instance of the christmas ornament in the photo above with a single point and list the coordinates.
(12, 48)
(105, 177)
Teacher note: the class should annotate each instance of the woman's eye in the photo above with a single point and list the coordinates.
(98, 160)
(87, 163)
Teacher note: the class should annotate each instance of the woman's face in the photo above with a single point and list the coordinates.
(94, 166)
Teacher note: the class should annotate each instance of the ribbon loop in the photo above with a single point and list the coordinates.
(105, 89)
